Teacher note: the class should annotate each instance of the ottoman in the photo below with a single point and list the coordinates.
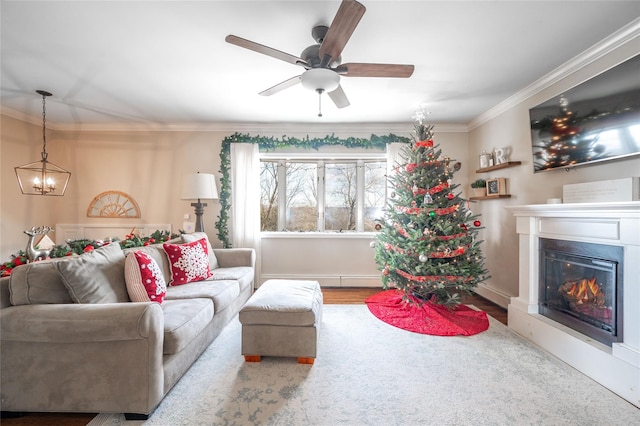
(282, 318)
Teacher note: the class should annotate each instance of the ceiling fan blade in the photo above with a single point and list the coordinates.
(375, 70)
(265, 50)
(339, 98)
(281, 86)
(343, 25)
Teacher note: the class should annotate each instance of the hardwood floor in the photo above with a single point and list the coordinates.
(331, 296)
(358, 295)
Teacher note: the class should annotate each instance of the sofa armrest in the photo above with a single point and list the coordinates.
(92, 358)
(228, 258)
(5, 296)
(65, 323)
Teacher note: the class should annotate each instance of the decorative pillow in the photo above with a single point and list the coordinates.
(189, 238)
(38, 283)
(189, 262)
(157, 253)
(95, 277)
(145, 282)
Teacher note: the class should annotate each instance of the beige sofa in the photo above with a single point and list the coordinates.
(111, 356)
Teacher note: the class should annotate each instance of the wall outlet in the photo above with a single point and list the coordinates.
(187, 216)
(188, 227)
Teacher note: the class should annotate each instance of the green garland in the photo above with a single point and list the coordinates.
(271, 143)
(83, 245)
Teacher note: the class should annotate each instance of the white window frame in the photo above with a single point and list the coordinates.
(321, 159)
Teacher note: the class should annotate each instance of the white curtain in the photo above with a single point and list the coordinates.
(393, 155)
(245, 199)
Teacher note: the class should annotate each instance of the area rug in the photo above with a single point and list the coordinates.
(370, 373)
(426, 317)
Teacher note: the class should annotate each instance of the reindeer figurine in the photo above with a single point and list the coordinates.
(32, 253)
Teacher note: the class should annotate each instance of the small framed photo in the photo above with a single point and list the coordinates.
(496, 187)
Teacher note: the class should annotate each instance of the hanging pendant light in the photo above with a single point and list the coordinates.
(42, 177)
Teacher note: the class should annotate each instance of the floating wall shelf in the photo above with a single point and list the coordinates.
(499, 166)
(490, 197)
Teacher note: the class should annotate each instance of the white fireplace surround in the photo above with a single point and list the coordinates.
(618, 224)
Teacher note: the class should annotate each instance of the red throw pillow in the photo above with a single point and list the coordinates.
(189, 262)
(145, 282)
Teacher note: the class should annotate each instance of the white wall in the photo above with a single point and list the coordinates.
(510, 127)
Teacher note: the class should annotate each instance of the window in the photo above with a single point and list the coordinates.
(345, 195)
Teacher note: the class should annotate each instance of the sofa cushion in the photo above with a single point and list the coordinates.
(189, 238)
(95, 277)
(189, 262)
(38, 283)
(222, 293)
(243, 274)
(183, 321)
(144, 279)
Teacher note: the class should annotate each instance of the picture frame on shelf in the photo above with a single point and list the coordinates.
(496, 187)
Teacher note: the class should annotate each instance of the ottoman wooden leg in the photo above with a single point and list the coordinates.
(302, 360)
(252, 358)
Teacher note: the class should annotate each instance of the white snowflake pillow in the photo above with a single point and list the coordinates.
(189, 262)
(144, 279)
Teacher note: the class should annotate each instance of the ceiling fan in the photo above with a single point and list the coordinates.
(322, 61)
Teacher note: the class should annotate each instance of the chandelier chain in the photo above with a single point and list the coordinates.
(44, 120)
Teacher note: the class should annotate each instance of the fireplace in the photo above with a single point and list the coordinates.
(586, 312)
(581, 287)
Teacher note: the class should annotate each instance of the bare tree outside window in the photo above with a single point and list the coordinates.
(302, 202)
(341, 197)
(269, 196)
(375, 184)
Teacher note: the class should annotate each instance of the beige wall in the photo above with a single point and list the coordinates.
(511, 128)
(146, 165)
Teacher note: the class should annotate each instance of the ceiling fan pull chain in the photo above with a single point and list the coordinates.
(319, 102)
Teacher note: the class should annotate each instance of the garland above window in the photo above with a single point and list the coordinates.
(271, 143)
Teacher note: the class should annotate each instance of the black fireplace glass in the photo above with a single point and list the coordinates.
(581, 287)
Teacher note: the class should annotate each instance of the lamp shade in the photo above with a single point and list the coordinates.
(199, 186)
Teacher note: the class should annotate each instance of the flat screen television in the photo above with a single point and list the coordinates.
(598, 120)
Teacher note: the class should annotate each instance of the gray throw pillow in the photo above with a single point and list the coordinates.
(96, 277)
(38, 283)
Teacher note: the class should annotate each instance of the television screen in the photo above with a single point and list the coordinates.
(595, 121)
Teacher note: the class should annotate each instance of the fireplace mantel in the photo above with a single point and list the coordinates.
(616, 367)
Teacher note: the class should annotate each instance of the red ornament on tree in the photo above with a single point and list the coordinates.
(450, 196)
(477, 223)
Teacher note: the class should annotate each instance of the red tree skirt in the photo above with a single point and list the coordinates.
(429, 318)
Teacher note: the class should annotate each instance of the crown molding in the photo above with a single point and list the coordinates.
(626, 34)
(232, 127)
(19, 115)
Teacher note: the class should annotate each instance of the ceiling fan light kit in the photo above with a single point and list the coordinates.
(322, 61)
(320, 79)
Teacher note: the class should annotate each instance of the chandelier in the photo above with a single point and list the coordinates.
(42, 177)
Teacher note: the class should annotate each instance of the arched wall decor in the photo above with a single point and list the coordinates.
(270, 143)
(113, 204)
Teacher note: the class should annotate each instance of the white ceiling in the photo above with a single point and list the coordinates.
(166, 62)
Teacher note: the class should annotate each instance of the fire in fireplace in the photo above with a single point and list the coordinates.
(581, 287)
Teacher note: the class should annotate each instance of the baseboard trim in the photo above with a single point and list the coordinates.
(364, 281)
(496, 296)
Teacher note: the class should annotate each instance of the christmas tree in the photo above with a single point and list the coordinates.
(427, 246)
